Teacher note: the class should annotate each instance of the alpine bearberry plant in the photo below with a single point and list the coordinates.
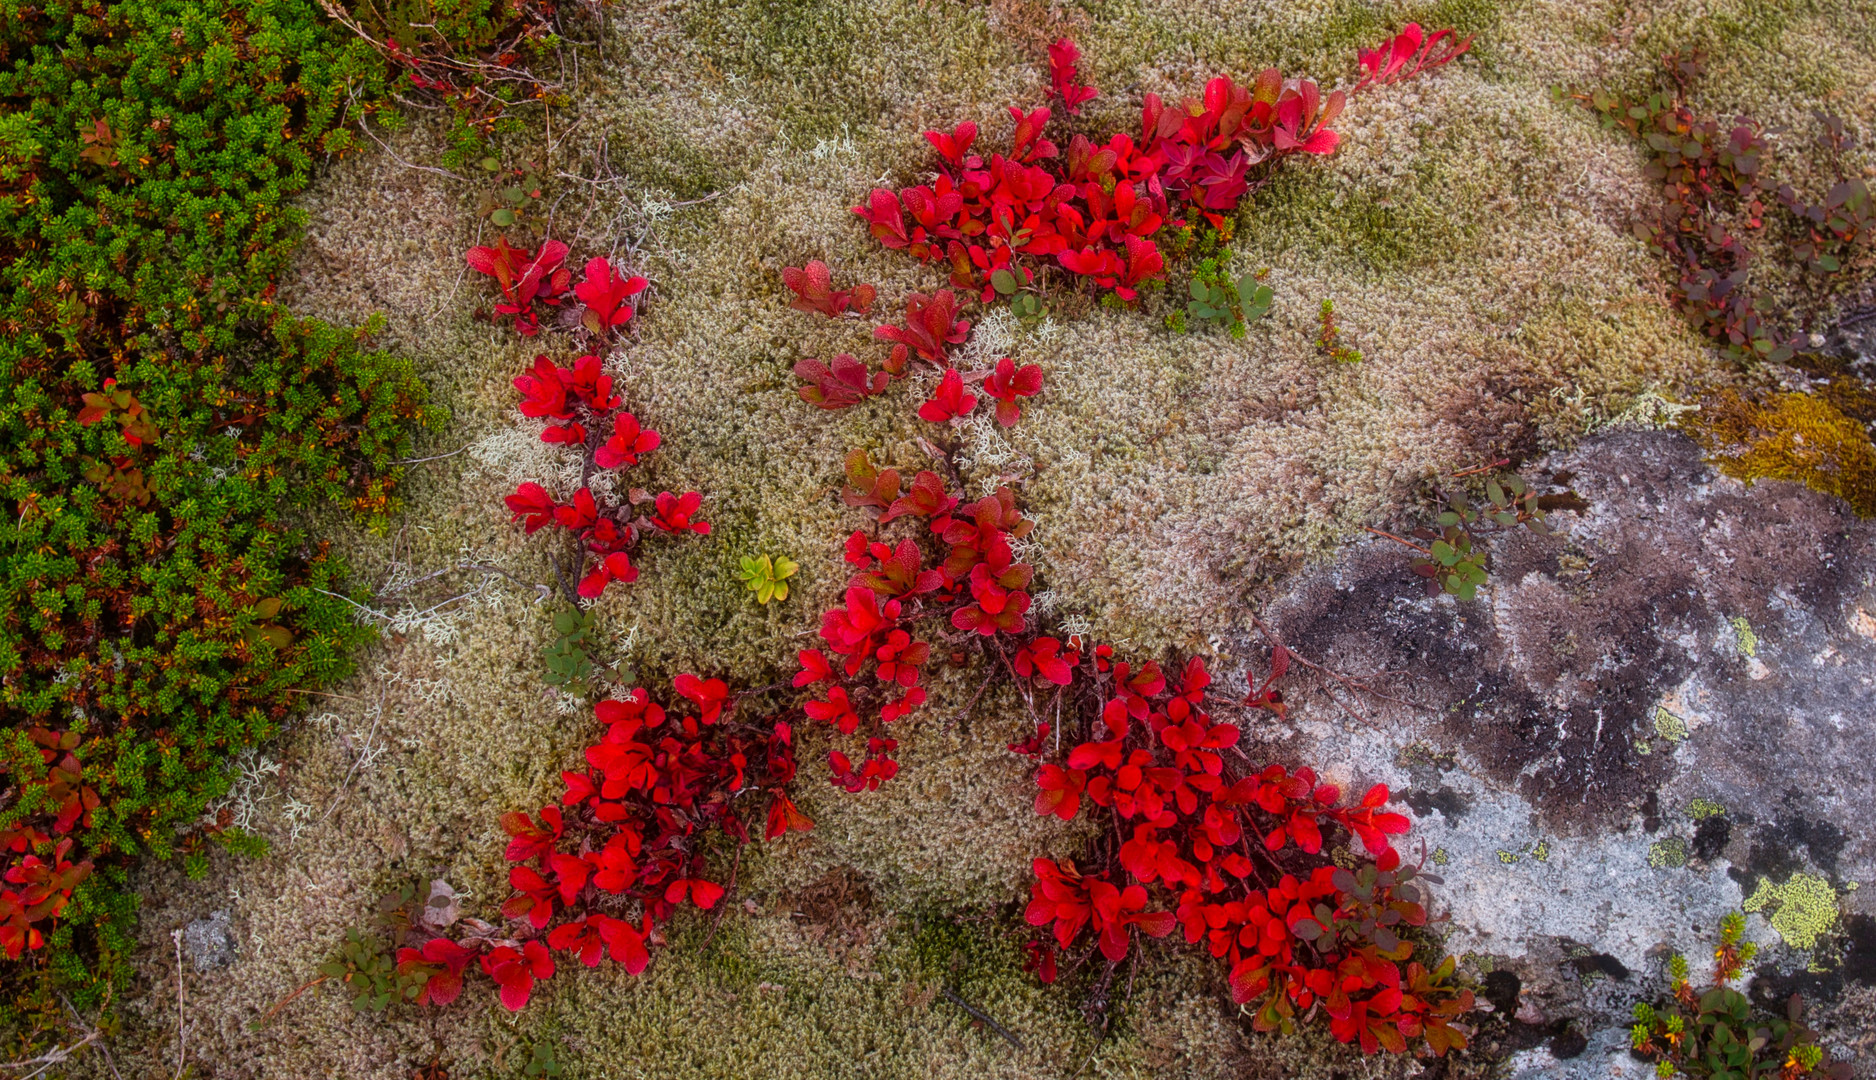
(627, 845)
(1450, 559)
(1093, 208)
(582, 412)
(1232, 859)
(1718, 192)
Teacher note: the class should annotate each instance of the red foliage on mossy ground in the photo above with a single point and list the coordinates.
(1235, 860)
(1095, 208)
(629, 835)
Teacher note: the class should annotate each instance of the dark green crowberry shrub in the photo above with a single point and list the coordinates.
(167, 436)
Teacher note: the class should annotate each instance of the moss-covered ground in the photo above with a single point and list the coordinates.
(1472, 232)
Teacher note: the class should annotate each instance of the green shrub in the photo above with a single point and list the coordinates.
(159, 586)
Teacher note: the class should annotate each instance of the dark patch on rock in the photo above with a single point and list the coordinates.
(1774, 852)
(1711, 836)
(1523, 1036)
(1771, 988)
(1568, 1043)
(1547, 682)
(1451, 805)
(1501, 988)
(1651, 812)
(1600, 964)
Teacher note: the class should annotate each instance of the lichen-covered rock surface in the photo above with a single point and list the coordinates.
(1659, 714)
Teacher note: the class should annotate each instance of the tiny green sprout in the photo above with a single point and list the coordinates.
(541, 1062)
(1027, 307)
(195, 865)
(1644, 1013)
(767, 578)
(1677, 968)
(1732, 925)
(1664, 1070)
(567, 660)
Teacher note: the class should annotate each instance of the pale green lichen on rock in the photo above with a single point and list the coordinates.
(1802, 910)
(1744, 637)
(1702, 808)
(1668, 726)
(1668, 853)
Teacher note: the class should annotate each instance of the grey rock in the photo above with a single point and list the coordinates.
(1639, 721)
(211, 942)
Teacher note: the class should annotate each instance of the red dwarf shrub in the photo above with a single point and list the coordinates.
(606, 294)
(1095, 210)
(582, 412)
(525, 277)
(1233, 859)
(626, 846)
(813, 286)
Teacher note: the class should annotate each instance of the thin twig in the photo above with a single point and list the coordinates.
(1476, 469)
(979, 1014)
(91, 1030)
(182, 1029)
(55, 1056)
(1353, 686)
(432, 457)
(1399, 540)
(288, 1000)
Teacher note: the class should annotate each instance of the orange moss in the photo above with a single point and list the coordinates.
(1804, 438)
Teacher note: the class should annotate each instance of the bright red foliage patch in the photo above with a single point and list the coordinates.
(1292, 927)
(1095, 210)
(582, 411)
(629, 830)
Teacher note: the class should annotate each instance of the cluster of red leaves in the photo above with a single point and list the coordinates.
(529, 277)
(1235, 860)
(57, 800)
(965, 576)
(582, 411)
(1095, 208)
(597, 874)
(930, 329)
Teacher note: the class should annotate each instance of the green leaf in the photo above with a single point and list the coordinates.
(1003, 281)
(490, 164)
